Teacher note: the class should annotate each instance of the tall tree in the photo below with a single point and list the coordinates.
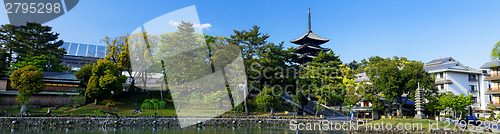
(104, 79)
(397, 79)
(7, 43)
(32, 39)
(185, 52)
(118, 52)
(322, 77)
(269, 98)
(27, 80)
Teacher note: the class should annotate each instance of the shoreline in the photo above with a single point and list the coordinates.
(172, 122)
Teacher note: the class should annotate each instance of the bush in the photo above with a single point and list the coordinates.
(447, 116)
(153, 104)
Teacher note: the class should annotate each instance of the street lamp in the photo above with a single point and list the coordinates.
(241, 86)
(112, 92)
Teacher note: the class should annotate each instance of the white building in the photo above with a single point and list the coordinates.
(454, 77)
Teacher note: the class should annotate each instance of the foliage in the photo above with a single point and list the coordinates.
(32, 40)
(457, 103)
(27, 80)
(269, 97)
(105, 78)
(118, 52)
(153, 104)
(84, 73)
(495, 53)
(399, 76)
(41, 62)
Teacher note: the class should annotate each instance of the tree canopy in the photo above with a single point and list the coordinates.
(106, 77)
(27, 80)
(397, 78)
(32, 44)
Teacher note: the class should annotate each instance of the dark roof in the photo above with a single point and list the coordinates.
(491, 64)
(56, 77)
(59, 76)
(444, 64)
(309, 47)
(441, 60)
(309, 38)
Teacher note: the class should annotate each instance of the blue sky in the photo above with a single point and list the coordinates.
(421, 30)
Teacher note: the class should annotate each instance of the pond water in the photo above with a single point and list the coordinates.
(143, 130)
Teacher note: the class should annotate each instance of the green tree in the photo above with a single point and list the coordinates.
(269, 98)
(40, 62)
(3, 62)
(27, 80)
(104, 79)
(7, 44)
(33, 39)
(185, 52)
(118, 52)
(215, 98)
(321, 76)
(84, 73)
(397, 77)
(495, 53)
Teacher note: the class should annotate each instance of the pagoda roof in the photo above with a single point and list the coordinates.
(316, 48)
(310, 38)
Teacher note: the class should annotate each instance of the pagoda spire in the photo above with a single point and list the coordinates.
(309, 19)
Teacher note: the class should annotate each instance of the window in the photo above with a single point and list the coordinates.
(473, 99)
(472, 87)
(472, 77)
(440, 87)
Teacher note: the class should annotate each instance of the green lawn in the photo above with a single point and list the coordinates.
(125, 105)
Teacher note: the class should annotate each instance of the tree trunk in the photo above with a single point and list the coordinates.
(179, 106)
(272, 111)
(95, 101)
(245, 101)
(24, 108)
(400, 112)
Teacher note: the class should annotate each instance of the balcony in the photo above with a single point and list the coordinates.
(492, 77)
(493, 91)
(442, 81)
(494, 104)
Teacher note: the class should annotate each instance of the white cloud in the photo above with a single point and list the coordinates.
(195, 25)
(173, 23)
(202, 26)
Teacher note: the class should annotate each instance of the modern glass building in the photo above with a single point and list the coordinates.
(78, 54)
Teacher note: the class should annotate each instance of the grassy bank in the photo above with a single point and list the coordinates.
(125, 104)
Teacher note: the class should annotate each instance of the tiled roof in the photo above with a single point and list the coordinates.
(488, 65)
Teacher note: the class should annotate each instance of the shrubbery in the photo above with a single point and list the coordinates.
(153, 104)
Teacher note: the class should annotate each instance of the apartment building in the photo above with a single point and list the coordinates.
(453, 77)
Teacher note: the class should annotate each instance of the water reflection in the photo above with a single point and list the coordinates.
(164, 130)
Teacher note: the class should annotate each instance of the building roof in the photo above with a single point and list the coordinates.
(56, 77)
(310, 38)
(491, 64)
(303, 48)
(448, 64)
(441, 61)
(85, 50)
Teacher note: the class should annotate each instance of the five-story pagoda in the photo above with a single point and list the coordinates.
(309, 45)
